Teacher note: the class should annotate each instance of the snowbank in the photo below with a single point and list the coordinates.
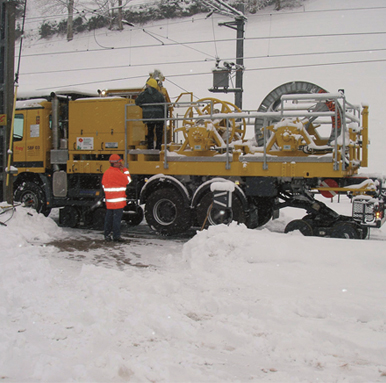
(229, 305)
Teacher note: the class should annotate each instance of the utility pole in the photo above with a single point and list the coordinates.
(237, 24)
(7, 72)
(239, 61)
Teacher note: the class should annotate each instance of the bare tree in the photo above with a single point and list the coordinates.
(58, 7)
(116, 17)
(120, 26)
(70, 18)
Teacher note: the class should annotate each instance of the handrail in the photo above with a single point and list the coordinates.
(344, 111)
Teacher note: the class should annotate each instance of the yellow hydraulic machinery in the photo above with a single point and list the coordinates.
(306, 141)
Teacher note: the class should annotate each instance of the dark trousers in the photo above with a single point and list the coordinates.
(159, 130)
(113, 222)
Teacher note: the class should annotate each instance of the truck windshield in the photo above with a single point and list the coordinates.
(18, 128)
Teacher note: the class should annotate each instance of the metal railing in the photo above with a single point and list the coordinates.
(343, 114)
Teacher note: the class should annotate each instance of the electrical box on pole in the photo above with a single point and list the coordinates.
(222, 74)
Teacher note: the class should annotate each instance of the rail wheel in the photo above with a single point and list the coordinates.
(31, 195)
(210, 215)
(345, 230)
(132, 215)
(167, 213)
(211, 106)
(264, 210)
(298, 224)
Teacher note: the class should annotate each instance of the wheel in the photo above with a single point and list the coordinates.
(364, 232)
(69, 216)
(31, 195)
(253, 217)
(345, 230)
(298, 224)
(87, 216)
(132, 215)
(264, 210)
(99, 218)
(314, 226)
(167, 213)
(210, 215)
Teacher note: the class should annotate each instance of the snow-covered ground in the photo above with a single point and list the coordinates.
(227, 304)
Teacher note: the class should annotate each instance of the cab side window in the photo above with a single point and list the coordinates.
(18, 127)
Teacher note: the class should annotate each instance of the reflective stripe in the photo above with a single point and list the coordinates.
(115, 199)
(114, 189)
(128, 176)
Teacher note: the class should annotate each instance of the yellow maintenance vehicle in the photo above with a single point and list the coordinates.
(307, 141)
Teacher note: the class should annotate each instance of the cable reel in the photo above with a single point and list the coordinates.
(201, 134)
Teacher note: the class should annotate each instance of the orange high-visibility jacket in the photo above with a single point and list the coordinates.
(114, 183)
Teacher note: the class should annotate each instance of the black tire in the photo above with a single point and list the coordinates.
(31, 195)
(298, 224)
(364, 232)
(213, 216)
(253, 217)
(69, 216)
(346, 230)
(132, 215)
(167, 213)
(264, 210)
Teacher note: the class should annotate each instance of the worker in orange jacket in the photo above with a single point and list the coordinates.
(114, 182)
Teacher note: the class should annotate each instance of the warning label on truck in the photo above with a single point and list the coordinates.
(85, 143)
(34, 130)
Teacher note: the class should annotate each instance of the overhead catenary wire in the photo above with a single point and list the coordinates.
(180, 87)
(100, 45)
(206, 73)
(246, 58)
(175, 43)
(214, 39)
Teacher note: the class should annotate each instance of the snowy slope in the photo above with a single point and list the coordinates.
(229, 304)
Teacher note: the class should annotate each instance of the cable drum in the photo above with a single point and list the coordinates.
(271, 103)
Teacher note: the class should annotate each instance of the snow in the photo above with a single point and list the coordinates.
(223, 185)
(227, 304)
